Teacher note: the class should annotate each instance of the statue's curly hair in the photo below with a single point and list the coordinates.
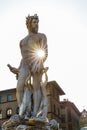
(29, 19)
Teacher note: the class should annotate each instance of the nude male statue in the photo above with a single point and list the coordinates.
(31, 65)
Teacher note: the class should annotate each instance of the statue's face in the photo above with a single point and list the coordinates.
(34, 25)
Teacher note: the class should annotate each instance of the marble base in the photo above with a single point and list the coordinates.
(16, 123)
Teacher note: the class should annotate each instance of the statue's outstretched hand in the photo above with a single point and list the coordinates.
(13, 70)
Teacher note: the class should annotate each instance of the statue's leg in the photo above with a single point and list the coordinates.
(36, 93)
(22, 109)
(20, 90)
(44, 101)
(20, 84)
(25, 107)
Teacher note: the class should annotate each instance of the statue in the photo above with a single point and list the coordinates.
(31, 64)
(31, 88)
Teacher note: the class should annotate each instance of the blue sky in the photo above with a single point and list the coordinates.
(65, 24)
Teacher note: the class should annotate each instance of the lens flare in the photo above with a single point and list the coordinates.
(40, 53)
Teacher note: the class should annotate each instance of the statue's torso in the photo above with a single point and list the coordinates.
(29, 46)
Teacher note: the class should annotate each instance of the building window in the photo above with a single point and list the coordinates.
(9, 98)
(63, 118)
(63, 128)
(0, 114)
(70, 127)
(58, 97)
(54, 109)
(69, 115)
(62, 107)
(9, 112)
(17, 110)
(58, 111)
(0, 99)
(0, 128)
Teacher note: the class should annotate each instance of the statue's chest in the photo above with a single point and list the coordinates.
(32, 42)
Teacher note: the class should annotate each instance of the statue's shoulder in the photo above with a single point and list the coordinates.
(25, 38)
(22, 41)
(42, 35)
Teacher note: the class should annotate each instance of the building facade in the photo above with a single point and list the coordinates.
(83, 119)
(70, 116)
(53, 93)
(8, 104)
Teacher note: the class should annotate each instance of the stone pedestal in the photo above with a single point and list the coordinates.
(16, 123)
(22, 127)
(38, 128)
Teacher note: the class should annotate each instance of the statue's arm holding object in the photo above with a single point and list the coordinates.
(15, 70)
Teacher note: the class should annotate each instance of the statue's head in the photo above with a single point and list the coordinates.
(32, 23)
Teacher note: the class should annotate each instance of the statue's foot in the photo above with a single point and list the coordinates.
(42, 119)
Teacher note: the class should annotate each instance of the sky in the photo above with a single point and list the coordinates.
(64, 22)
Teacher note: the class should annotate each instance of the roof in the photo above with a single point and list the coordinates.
(55, 84)
(68, 103)
(11, 89)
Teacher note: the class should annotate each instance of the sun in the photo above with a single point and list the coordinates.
(40, 53)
